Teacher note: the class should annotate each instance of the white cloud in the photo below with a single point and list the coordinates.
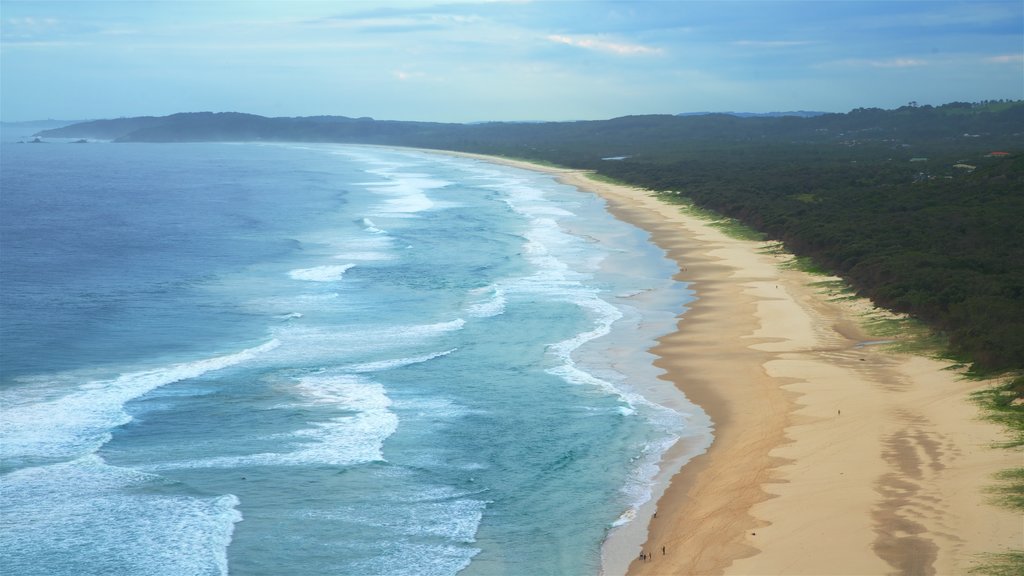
(404, 75)
(882, 63)
(399, 23)
(29, 29)
(773, 43)
(604, 45)
(7, 45)
(1006, 59)
(33, 23)
(897, 63)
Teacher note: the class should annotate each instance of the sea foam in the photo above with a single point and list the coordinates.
(319, 345)
(405, 194)
(355, 437)
(321, 273)
(80, 422)
(550, 248)
(87, 517)
(394, 363)
(490, 301)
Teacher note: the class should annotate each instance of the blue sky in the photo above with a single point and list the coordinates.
(464, 61)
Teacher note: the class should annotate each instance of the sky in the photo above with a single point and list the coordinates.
(468, 61)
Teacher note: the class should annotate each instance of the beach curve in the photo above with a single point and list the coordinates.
(831, 455)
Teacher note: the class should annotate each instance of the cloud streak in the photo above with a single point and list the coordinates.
(601, 45)
(1006, 59)
(405, 75)
(774, 43)
(897, 62)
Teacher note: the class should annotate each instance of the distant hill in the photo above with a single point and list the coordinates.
(996, 124)
(798, 113)
(11, 131)
(104, 129)
(236, 126)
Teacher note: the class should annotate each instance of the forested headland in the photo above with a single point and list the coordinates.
(919, 208)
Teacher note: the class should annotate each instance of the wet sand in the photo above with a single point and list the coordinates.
(832, 454)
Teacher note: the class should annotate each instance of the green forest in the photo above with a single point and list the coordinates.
(918, 208)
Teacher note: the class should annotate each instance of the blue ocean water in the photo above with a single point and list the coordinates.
(320, 359)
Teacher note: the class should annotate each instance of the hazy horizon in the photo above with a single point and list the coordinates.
(693, 113)
(474, 61)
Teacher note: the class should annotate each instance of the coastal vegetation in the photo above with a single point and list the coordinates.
(1002, 404)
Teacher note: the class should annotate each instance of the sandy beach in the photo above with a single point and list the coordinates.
(832, 454)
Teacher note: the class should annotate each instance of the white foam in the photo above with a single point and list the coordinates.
(371, 227)
(394, 363)
(492, 306)
(81, 421)
(639, 485)
(670, 423)
(365, 256)
(408, 203)
(346, 391)
(408, 559)
(372, 243)
(293, 307)
(453, 519)
(356, 437)
(87, 517)
(550, 248)
(321, 273)
(606, 313)
(431, 329)
(432, 408)
(448, 517)
(304, 344)
(405, 193)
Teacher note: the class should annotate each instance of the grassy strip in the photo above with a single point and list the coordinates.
(1004, 404)
(731, 228)
(597, 176)
(1010, 491)
(1001, 564)
(909, 336)
(836, 289)
(806, 264)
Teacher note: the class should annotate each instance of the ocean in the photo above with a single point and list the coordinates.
(269, 358)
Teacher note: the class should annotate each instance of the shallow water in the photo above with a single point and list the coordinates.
(311, 359)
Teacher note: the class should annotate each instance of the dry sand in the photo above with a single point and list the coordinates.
(831, 455)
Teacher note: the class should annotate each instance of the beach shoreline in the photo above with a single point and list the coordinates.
(831, 455)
